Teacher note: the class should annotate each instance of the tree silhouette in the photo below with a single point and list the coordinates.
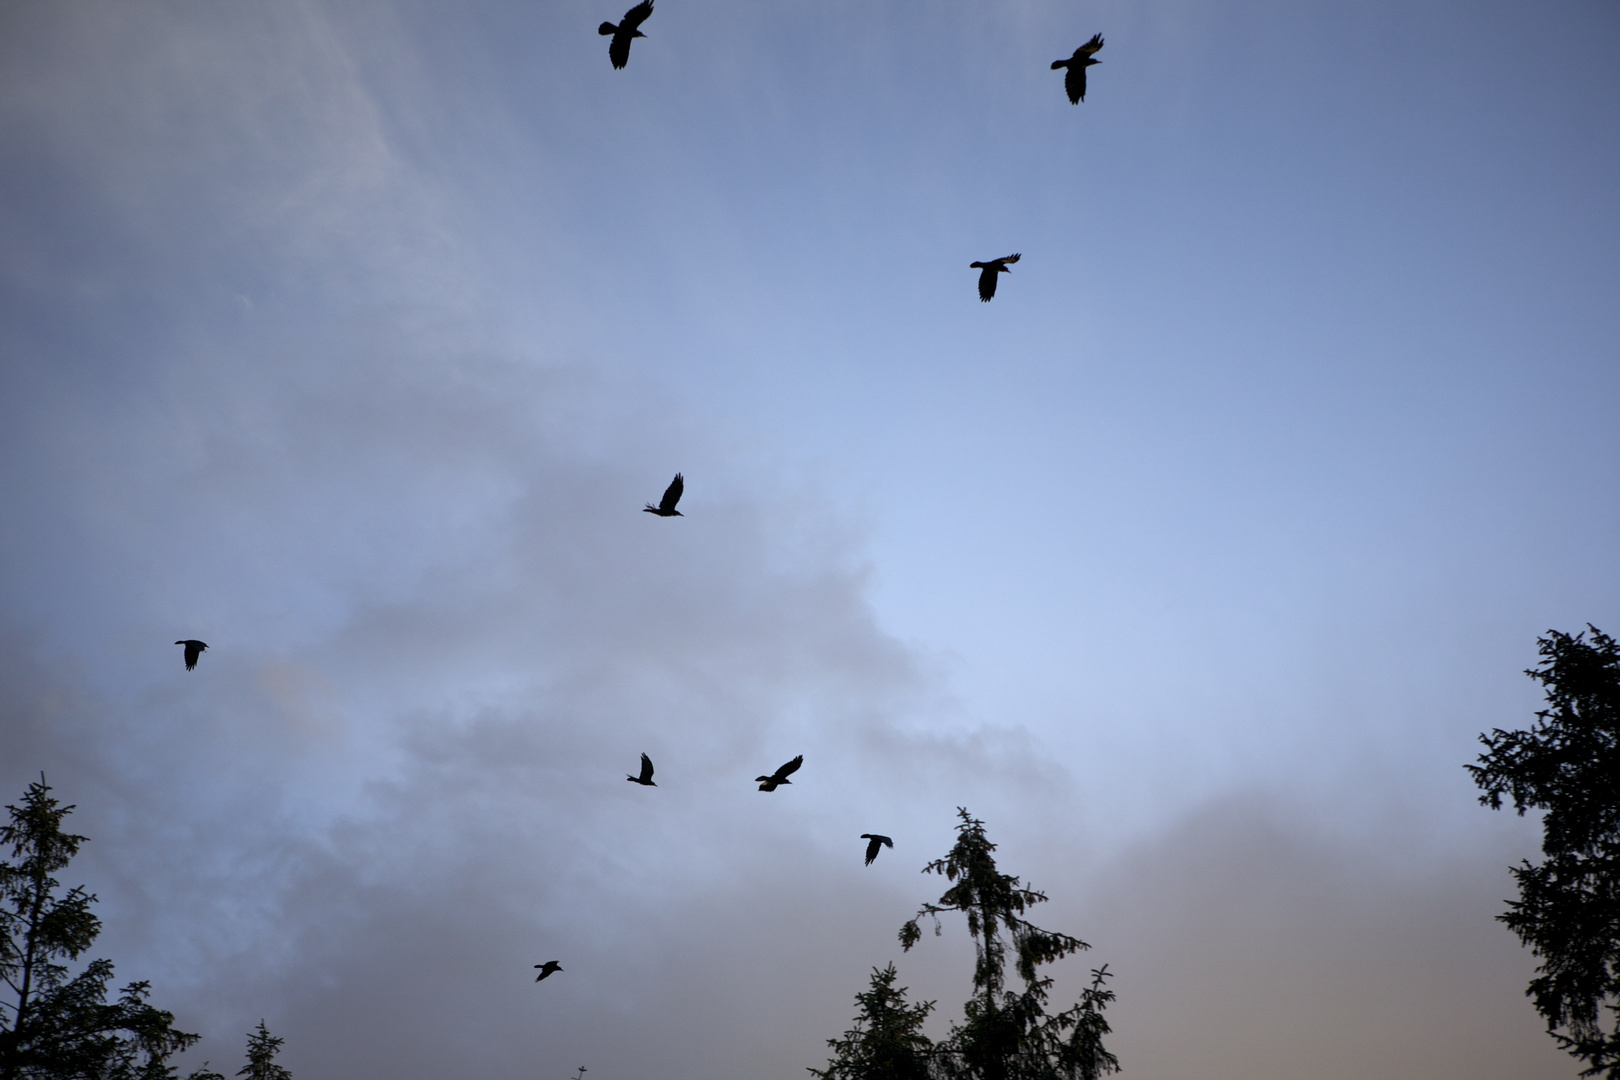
(1005, 1034)
(261, 1050)
(886, 1042)
(57, 1027)
(1568, 911)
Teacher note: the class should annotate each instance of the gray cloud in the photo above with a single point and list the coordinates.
(264, 386)
(1251, 941)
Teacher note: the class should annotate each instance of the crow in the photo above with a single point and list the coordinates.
(672, 495)
(550, 967)
(645, 778)
(619, 47)
(194, 649)
(1075, 81)
(780, 776)
(988, 272)
(876, 845)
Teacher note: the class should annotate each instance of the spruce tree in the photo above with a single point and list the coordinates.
(57, 1025)
(886, 1042)
(1008, 1034)
(1568, 911)
(262, 1050)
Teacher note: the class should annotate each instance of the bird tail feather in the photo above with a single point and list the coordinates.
(607, 28)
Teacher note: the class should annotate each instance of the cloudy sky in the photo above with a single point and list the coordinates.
(350, 338)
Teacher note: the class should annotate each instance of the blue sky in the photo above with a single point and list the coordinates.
(349, 338)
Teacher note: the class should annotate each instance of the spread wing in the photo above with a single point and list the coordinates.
(1074, 81)
(619, 48)
(789, 769)
(1083, 51)
(872, 849)
(638, 15)
(672, 494)
(646, 768)
(987, 282)
(1008, 260)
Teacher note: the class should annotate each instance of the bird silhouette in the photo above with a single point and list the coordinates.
(646, 773)
(672, 495)
(619, 47)
(875, 846)
(550, 967)
(988, 272)
(780, 776)
(194, 649)
(1075, 81)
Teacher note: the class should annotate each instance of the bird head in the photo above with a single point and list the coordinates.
(637, 33)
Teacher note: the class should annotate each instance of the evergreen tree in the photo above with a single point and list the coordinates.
(262, 1050)
(56, 1026)
(886, 1042)
(1568, 911)
(1007, 1034)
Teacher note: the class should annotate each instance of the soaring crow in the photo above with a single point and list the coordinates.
(194, 649)
(672, 495)
(619, 47)
(876, 845)
(646, 773)
(988, 272)
(550, 967)
(780, 776)
(1075, 81)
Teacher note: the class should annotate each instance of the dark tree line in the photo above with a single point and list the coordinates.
(1568, 912)
(57, 1024)
(1005, 1034)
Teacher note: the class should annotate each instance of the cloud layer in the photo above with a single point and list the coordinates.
(269, 380)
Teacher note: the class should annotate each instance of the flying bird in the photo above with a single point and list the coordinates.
(672, 495)
(1075, 81)
(194, 649)
(876, 845)
(619, 47)
(646, 773)
(988, 272)
(550, 967)
(780, 776)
